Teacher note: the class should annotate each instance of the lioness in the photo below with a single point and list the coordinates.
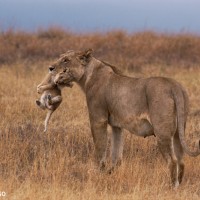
(51, 96)
(143, 106)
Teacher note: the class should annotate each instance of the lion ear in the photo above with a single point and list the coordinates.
(62, 55)
(85, 56)
(88, 52)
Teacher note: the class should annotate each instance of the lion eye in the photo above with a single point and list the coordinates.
(51, 68)
(64, 70)
(65, 60)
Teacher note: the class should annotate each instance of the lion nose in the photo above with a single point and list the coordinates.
(51, 68)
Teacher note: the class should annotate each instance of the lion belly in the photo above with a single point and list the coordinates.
(129, 122)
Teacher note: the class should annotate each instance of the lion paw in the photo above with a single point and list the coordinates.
(39, 90)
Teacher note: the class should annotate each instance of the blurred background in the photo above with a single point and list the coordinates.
(101, 15)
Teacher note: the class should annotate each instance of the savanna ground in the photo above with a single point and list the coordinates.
(59, 165)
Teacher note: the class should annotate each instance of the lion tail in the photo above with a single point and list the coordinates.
(181, 121)
(48, 116)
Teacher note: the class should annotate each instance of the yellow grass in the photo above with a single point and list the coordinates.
(59, 165)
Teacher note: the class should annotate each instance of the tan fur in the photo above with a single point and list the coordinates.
(51, 96)
(144, 106)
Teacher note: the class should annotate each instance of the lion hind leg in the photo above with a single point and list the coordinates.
(140, 127)
(169, 153)
(52, 103)
(39, 104)
(56, 99)
(145, 129)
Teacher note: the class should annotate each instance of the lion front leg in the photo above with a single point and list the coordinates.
(42, 88)
(99, 133)
(117, 147)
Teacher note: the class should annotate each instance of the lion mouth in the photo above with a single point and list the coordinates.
(69, 84)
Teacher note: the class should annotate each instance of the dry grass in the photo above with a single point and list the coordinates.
(59, 165)
(139, 49)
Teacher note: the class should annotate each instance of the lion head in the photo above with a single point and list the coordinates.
(70, 66)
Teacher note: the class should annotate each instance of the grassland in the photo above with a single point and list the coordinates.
(59, 165)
